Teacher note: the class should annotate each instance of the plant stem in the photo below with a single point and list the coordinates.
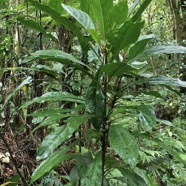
(104, 122)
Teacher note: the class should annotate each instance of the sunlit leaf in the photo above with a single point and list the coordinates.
(80, 16)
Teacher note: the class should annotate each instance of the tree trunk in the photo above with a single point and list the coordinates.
(178, 8)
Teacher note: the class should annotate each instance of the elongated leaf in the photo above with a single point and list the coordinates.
(56, 5)
(59, 56)
(118, 69)
(140, 10)
(94, 101)
(55, 96)
(139, 46)
(124, 144)
(35, 26)
(80, 16)
(118, 14)
(83, 161)
(93, 174)
(61, 20)
(157, 50)
(56, 138)
(100, 10)
(162, 80)
(130, 178)
(125, 36)
(25, 82)
(146, 177)
(147, 116)
(133, 6)
(54, 160)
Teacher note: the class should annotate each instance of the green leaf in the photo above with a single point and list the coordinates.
(170, 150)
(55, 96)
(163, 80)
(118, 14)
(93, 174)
(143, 174)
(95, 102)
(54, 139)
(27, 81)
(80, 16)
(120, 137)
(83, 161)
(154, 93)
(147, 116)
(130, 178)
(118, 69)
(100, 10)
(61, 20)
(139, 46)
(133, 6)
(157, 50)
(51, 162)
(58, 56)
(56, 5)
(143, 6)
(125, 36)
(35, 26)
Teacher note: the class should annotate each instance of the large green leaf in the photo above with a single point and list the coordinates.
(35, 26)
(58, 56)
(125, 36)
(83, 161)
(53, 140)
(51, 162)
(147, 116)
(93, 174)
(100, 10)
(167, 81)
(55, 96)
(80, 16)
(118, 69)
(56, 5)
(139, 46)
(124, 144)
(95, 101)
(118, 14)
(130, 178)
(157, 50)
(27, 81)
(61, 20)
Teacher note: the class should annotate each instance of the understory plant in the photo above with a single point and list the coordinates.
(106, 136)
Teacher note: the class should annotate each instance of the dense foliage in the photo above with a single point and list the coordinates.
(97, 92)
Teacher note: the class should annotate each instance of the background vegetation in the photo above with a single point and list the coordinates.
(92, 92)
